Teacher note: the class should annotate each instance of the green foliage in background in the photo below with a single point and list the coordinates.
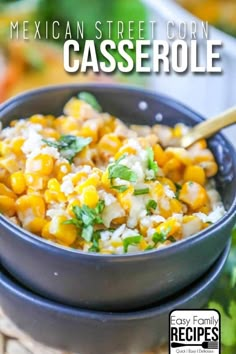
(224, 300)
(91, 11)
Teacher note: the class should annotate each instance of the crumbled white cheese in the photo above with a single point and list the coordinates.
(111, 212)
(148, 220)
(216, 214)
(150, 174)
(107, 197)
(105, 235)
(129, 232)
(67, 186)
(169, 193)
(118, 232)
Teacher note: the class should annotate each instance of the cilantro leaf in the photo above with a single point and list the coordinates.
(87, 233)
(149, 248)
(132, 240)
(69, 145)
(151, 204)
(95, 240)
(141, 191)
(178, 189)
(91, 100)
(86, 218)
(121, 188)
(152, 165)
(161, 236)
(115, 170)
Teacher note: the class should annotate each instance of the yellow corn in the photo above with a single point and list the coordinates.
(159, 155)
(195, 173)
(9, 163)
(36, 225)
(65, 234)
(18, 182)
(30, 206)
(17, 144)
(43, 164)
(90, 196)
(4, 190)
(70, 206)
(194, 195)
(125, 198)
(125, 150)
(170, 226)
(38, 119)
(93, 180)
(7, 205)
(109, 145)
(35, 181)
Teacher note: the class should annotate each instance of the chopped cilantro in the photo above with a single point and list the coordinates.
(132, 240)
(151, 205)
(149, 248)
(152, 165)
(161, 236)
(87, 233)
(69, 145)
(85, 219)
(141, 191)
(91, 100)
(116, 170)
(95, 246)
(120, 189)
(178, 189)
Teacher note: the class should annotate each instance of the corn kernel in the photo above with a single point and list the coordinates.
(38, 119)
(88, 132)
(42, 164)
(9, 163)
(93, 180)
(4, 190)
(159, 155)
(70, 206)
(30, 206)
(65, 234)
(16, 145)
(90, 196)
(125, 198)
(125, 150)
(180, 154)
(7, 205)
(210, 168)
(171, 226)
(18, 182)
(35, 181)
(36, 225)
(194, 195)
(195, 173)
(109, 145)
(61, 169)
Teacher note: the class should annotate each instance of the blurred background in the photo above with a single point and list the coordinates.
(29, 64)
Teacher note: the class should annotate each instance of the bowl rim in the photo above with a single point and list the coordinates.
(162, 251)
(156, 310)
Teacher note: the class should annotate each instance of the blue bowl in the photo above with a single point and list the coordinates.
(125, 282)
(86, 332)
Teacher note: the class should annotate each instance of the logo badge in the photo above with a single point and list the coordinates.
(194, 332)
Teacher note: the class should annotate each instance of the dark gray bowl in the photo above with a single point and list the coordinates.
(116, 282)
(86, 332)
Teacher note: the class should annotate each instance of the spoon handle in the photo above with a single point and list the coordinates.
(209, 127)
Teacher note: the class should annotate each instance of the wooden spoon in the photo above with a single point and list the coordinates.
(209, 127)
